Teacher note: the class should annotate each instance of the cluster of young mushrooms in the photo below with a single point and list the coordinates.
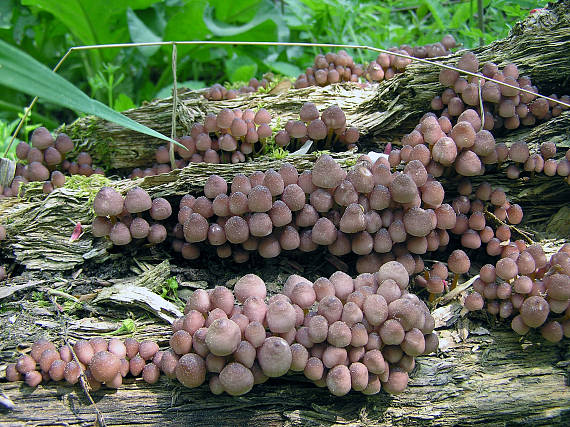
(46, 161)
(359, 334)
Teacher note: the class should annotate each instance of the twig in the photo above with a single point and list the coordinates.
(482, 114)
(453, 293)
(174, 107)
(82, 378)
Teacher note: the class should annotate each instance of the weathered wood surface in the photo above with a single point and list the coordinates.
(539, 46)
(39, 226)
(490, 379)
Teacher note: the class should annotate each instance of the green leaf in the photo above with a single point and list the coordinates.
(187, 25)
(140, 33)
(243, 73)
(267, 12)
(229, 11)
(283, 68)
(190, 84)
(21, 72)
(240, 69)
(123, 102)
(92, 21)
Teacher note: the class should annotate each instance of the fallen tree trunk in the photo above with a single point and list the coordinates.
(39, 226)
(539, 46)
(479, 377)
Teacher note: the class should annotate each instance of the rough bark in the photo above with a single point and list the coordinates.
(494, 378)
(538, 46)
(39, 226)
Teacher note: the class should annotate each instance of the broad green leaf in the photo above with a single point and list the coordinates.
(123, 102)
(243, 73)
(229, 11)
(21, 72)
(187, 25)
(283, 68)
(240, 69)
(166, 91)
(267, 12)
(140, 33)
(92, 21)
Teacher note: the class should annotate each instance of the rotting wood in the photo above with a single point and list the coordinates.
(538, 46)
(493, 378)
(39, 226)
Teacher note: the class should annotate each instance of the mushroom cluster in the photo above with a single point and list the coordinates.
(503, 106)
(386, 66)
(340, 67)
(325, 129)
(227, 137)
(359, 334)
(330, 68)
(524, 284)
(368, 210)
(472, 224)
(101, 361)
(124, 219)
(45, 161)
(543, 160)
(218, 92)
(438, 144)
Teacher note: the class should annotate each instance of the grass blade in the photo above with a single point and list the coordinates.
(21, 72)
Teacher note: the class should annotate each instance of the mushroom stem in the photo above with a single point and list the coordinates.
(455, 280)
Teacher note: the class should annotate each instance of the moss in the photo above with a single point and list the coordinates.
(89, 186)
(103, 153)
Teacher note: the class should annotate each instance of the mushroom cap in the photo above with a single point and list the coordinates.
(105, 366)
(237, 230)
(468, 163)
(353, 220)
(395, 271)
(444, 151)
(275, 357)
(63, 143)
(262, 117)
(339, 380)
(309, 112)
(281, 317)
(236, 379)
(458, 262)
(41, 138)
(403, 188)
(334, 117)
(259, 199)
(137, 200)
(215, 185)
(534, 311)
(250, 285)
(195, 228)
(327, 173)
(120, 234)
(274, 182)
(324, 232)
(223, 337)
(108, 202)
(191, 370)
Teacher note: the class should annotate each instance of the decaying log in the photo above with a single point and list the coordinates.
(39, 226)
(479, 377)
(538, 46)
